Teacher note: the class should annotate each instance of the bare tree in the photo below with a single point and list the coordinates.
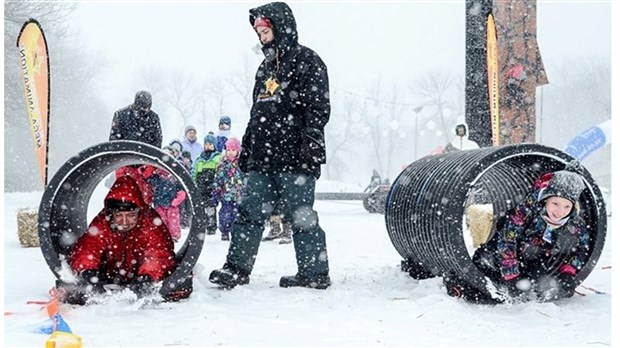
(242, 82)
(384, 115)
(434, 87)
(154, 81)
(342, 132)
(180, 95)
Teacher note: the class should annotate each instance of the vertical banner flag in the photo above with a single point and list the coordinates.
(34, 64)
(493, 76)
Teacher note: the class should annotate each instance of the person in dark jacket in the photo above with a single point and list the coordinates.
(282, 152)
(137, 122)
(541, 244)
(124, 246)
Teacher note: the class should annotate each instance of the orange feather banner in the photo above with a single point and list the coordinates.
(34, 63)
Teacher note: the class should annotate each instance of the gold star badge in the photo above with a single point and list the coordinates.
(271, 85)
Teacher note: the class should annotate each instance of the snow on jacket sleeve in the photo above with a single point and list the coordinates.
(315, 90)
(512, 232)
(158, 256)
(87, 252)
(576, 260)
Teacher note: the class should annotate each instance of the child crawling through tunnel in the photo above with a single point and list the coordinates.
(537, 248)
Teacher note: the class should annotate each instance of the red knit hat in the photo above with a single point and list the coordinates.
(262, 22)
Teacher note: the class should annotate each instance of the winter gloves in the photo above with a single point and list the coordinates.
(90, 278)
(518, 287)
(544, 288)
(312, 147)
(142, 285)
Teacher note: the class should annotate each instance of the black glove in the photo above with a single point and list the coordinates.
(312, 147)
(518, 287)
(142, 285)
(91, 280)
(566, 285)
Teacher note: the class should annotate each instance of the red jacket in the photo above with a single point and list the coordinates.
(146, 249)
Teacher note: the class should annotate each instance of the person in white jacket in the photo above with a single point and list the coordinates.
(461, 140)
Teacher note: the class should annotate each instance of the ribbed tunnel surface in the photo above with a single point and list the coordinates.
(425, 208)
(65, 201)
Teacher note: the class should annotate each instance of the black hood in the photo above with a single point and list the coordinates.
(282, 20)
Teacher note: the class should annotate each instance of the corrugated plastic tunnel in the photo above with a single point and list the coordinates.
(65, 201)
(426, 205)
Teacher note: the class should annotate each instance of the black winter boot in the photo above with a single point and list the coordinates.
(229, 276)
(320, 281)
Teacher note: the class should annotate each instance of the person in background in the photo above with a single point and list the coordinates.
(123, 247)
(204, 176)
(461, 140)
(168, 194)
(278, 229)
(137, 122)
(177, 149)
(190, 142)
(186, 159)
(282, 151)
(375, 180)
(223, 133)
(227, 186)
(540, 245)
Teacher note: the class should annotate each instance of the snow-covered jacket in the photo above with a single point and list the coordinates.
(131, 124)
(525, 227)
(290, 102)
(228, 181)
(146, 249)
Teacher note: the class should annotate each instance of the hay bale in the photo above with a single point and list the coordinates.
(28, 227)
(479, 217)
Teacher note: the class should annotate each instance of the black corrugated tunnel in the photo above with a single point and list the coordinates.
(426, 205)
(65, 201)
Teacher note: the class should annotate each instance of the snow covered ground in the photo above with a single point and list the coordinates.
(371, 302)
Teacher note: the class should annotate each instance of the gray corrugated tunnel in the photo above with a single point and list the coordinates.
(65, 201)
(426, 205)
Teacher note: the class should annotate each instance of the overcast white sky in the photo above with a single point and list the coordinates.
(359, 41)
